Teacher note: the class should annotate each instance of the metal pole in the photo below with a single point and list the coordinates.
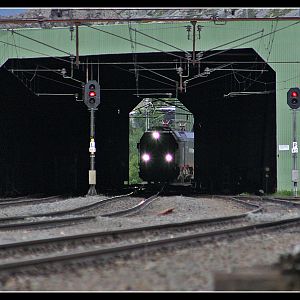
(294, 154)
(87, 70)
(77, 46)
(194, 40)
(147, 118)
(92, 172)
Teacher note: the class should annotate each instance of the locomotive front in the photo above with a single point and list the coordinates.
(158, 160)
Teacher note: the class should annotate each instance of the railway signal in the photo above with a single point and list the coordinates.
(293, 101)
(92, 100)
(92, 94)
(293, 98)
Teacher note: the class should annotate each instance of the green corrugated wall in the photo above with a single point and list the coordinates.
(284, 48)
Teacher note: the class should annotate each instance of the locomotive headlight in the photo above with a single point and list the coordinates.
(145, 157)
(168, 157)
(155, 135)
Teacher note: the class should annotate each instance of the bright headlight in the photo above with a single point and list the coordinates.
(168, 157)
(145, 157)
(155, 135)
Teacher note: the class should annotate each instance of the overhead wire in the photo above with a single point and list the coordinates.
(222, 45)
(59, 73)
(158, 74)
(34, 51)
(270, 46)
(167, 102)
(158, 40)
(162, 82)
(202, 82)
(137, 43)
(271, 32)
(42, 43)
(134, 58)
(54, 80)
(252, 40)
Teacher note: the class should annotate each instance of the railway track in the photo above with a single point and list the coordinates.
(178, 241)
(6, 199)
(278, 200)
(22, 220)
(28, 200)
(39, 224)
(112, 237)
(110, 243)
(76, 210)
(135, 209)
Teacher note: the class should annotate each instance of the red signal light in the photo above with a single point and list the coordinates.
(92, 94)
(294, 94)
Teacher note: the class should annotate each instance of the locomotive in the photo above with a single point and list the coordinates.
(166, 155)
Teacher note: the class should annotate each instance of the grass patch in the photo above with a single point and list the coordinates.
(283, 193)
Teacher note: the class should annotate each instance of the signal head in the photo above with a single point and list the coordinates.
(92, 94)
(293, 98)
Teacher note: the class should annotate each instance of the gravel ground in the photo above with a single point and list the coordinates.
(189, 269)
(185, 209)
(185, 269)
(49, 207)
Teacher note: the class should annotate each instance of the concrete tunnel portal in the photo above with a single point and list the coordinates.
(45, 139)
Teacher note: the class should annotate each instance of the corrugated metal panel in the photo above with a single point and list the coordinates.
(281, 46)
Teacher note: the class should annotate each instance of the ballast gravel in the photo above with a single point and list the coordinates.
(189, 269)
(184, 209)
(182, 269)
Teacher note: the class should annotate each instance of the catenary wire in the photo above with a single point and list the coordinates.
(32, 39)
(34, 51)
(137, 43)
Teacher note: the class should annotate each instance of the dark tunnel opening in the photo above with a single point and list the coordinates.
(45, 139)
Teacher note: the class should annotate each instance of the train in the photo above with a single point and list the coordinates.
(166, 155)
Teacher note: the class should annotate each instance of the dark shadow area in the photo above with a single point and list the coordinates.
(44, 140)
(235, 137)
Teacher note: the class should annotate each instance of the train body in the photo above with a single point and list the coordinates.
(166, 155)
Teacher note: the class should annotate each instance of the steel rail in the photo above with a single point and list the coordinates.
(137, 208)
(11, 226)
(5, 199)
(175, 225)
(281, 201)
(277, 200)
(143, 246)
(28, 200)
(64, 212)
(235, 199)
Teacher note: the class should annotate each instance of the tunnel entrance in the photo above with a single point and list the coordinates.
(235, 126)
(158, 110)
(44, 130)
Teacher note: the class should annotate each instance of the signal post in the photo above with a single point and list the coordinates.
(92, 100)
(293, 101)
